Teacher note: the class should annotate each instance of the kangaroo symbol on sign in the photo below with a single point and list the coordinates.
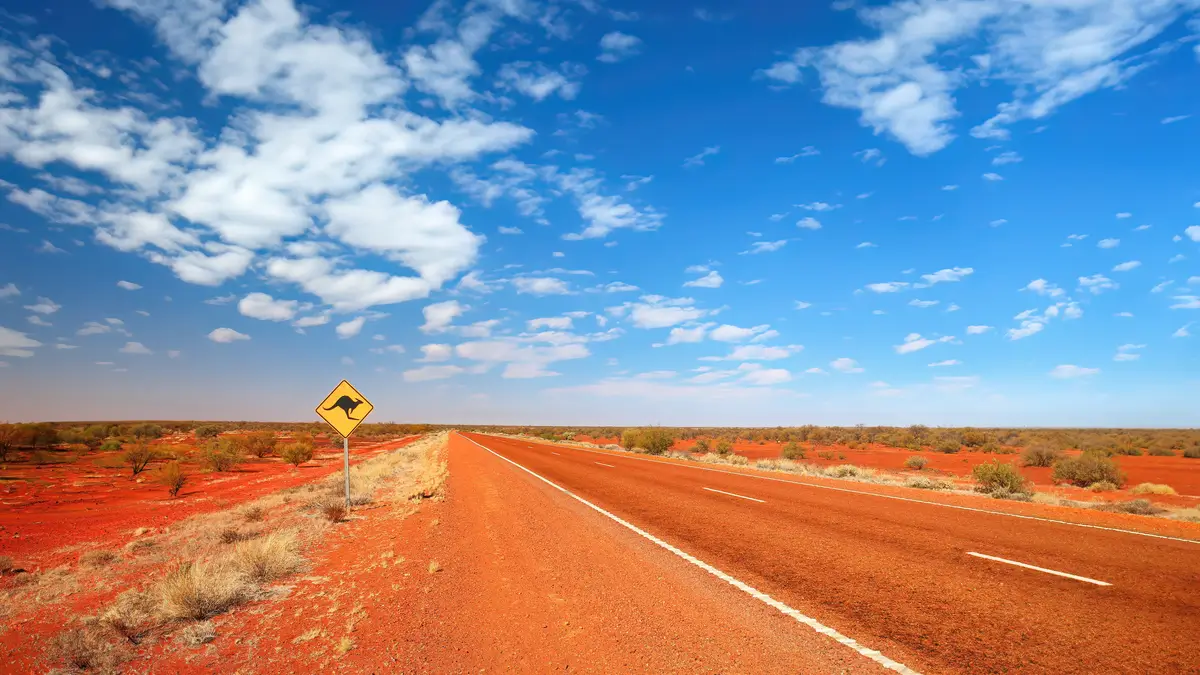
(347, 405)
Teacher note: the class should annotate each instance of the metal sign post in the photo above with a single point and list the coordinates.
(338, 410)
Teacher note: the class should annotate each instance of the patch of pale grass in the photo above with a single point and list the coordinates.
(345, 645)
(132, 616)
(924, 483)
(311, 634)
(83, 649)
(1190, 515)
(268, 558)
(99, 558)
(199, 633)
(197, 591)
(434, 566)
(1153, 489)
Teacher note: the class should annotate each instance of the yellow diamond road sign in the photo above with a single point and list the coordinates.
(344, 409)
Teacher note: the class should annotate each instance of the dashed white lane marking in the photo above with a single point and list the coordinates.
(883, 496)
(555, 453)
(608, 465)
(812, 623)
(1040, 569)
(760, 501)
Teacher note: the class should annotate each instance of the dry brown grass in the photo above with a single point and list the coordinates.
(334, 509)
(1153, 489)
(83, 649)
(132, 617)
(199, 633)
(101, 558)
(434, 567)
(197, 591)
(6, 564)
(268, 558)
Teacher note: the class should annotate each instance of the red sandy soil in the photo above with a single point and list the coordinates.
(530, 582)
(897, 575)
(127, 506)
(1180, 473)
(45, 510)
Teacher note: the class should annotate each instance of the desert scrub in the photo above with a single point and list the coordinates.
(268, 558)
(261, 443)
(334, 509)
(916, 462)
(1192, 452)
(653, 440)
(792, 450)
(138, 457)
(924, 483)
(1137, 507)
(172, 477)
(296, 453)
(1040, 454)
(1088, 468)
(993, 477)
(724, 447)
(83, 649)
(221, 455)
(1102, 486)
(197, 591)
(98, 558)
(701, 446)
(1153, 489)
(132, 617)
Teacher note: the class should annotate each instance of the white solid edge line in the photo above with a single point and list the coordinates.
(608, 465)
(812, 623)
(876, 494)
(760, 501)
(1040, 569)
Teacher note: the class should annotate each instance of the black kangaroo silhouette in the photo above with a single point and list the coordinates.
(347, 405)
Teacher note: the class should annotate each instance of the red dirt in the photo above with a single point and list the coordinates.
(531, 582)
(47, 508)
(895, 575)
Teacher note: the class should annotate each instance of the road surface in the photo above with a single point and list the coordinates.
(890, 585)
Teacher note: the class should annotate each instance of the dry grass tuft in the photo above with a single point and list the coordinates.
(334, 509)
(924, 483)
(1153, 489)
(1102, 486)
(6, 564)
(345, 645)
(197, 634)
(434, 566)
(99, 558)
(253, 514)
(132, 617)
(84, 649)
(232, 535)
(1137, 507)
(916, 462)
(266, 559)
(197, 591)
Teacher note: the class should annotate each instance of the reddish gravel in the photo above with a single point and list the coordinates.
(895, 575)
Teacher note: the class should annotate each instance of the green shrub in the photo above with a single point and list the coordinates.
(724, 447)
(1129, 450)
(1040, 454)
(208, 431)
(792, 450)
(654, 440)
(139, 456)
(146, 430)
(826, 454)
(1192, 452)
(994, 476)
(916, 462)
(1159, 451)
(296, 453)
(261, 443)
(1088, 468)
(110, 445)
(172, 477)
(701, 446)
(221, 455)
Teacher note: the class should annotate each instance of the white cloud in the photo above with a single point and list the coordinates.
(428, 373)
(947, 275)
(128, 285)
(819, 206)
(1097, 284)
(617, 46)
(922, 303)
(1193, 232)
(845, 365)
(764, 247)
(1043, 287)
(990, 176)
(1174, 119)
(766, 377)
(16, 344)
(1006, 158)
(682, 335)
(440, 315)
(435, 353)
(1108, 243)
(949, 362)
(1128, 352)
(808, 223)
(555, 323)
(711, 280)
(1183, 330)
(806, 151)
(173, 353)
(762, 352)
(538, 82)
(949, 188)
(1159, 288)
(729, 333)
(308, 321)
(978, 330)
(523, 361)
(1126, 266)
(698, 159)
(815, 371)
(509, 230)
(263, 306)
(619, 287)
(1123, 215)
(37, 320)
(656, 311)
(1186, 302)
(800, 304)
(1071, 371)
(866, 244)
(349, 329)
(9, 290)
(135, 348)
(888, 286)
(541, 286)
(44, 306)
(226, 335)
(914, 342)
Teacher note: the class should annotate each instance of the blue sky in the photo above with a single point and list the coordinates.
(951, 212)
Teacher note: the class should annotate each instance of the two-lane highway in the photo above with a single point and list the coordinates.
(935, 588)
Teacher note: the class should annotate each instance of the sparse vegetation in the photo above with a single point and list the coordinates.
(84, 650)
(1086, 469)
(701, 446)
(268, 558)
(1192, 452)
(724, 447)
(434, 566)
(100, 558)
(261, 443)
(334, 509)
(924, 483)
(197, 591)
(6, 564)
(999, 479)
(792, 450)
(172, 477)
(296, 453)
(1103, 486)
(9, 436)
(1040, 454)
(1137, 507)
(208, 431)
(199, 633)
(1153, 489)
(221, 455)
(916, 462)
(654, 440)
(132, 617)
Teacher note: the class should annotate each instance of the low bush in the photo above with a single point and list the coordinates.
(1102, 486)
(296, 453)
(261, 443)
(994, 477)
(845, 471)
(948, 446)
(6, 564)
(1153, 489)
(1129, 450)
(253, 514)
(1159, 451)
(1137, 507)
(654, 440)
(1040, 454)
(916, 462)
(138, 457)
(132, 617)
(267, 558)
(334, 509)
(793, 450)
(172, 477)
(84, 650)
(1192, 452)
(1018, 495)
(221, 455)
(1088, 468)
(197, 591)
(98, 558)
(701, 446)
(924, 483)
(110, 445)
(826, 454)
(724, 447)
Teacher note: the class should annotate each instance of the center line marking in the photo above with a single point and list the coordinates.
(555, 453)
(760, 501)
(608, 465)
(753, 592)
(1040, 569)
